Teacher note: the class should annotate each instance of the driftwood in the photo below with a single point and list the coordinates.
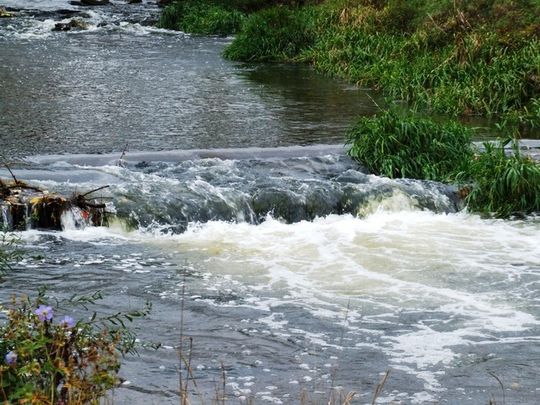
(23, 206)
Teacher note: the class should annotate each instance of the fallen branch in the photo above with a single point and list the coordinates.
(93, 191)
(10, 172)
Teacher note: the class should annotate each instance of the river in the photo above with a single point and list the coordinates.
(299, 272)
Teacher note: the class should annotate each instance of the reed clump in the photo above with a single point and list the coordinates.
(396, 145)
(216, 17)
(204, 18)
(503, 181)
(286, 32)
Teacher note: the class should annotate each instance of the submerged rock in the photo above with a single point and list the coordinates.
(72, 24)
(90, 3)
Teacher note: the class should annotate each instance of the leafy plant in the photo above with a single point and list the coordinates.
(47, 359)
(201, 18)
(273, 34)
(407, 146)
(503, 182)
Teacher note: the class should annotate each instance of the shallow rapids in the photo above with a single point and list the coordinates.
(290, 298)
(442, 300)
(292, 184)
(299, 273)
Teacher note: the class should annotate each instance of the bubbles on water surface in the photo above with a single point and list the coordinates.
(404, 287)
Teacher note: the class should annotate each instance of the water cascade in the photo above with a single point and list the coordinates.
(298, 273)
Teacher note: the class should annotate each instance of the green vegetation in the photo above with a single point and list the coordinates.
(503, 183)
(217, 17)
(46, 360)
(453, 57)
(201, 18)
(9, 251)
(406, 146)
(286, 33)
(496, 181)
(50, 359)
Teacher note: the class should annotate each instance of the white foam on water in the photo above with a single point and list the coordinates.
(93, 20)
(143, 30)
(92, 234)
(38, 4)
(465, 270)
(442, 281)
(33, 29)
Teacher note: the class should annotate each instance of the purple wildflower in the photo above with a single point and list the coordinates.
(67, 322)
(44, 313)
(11, 358)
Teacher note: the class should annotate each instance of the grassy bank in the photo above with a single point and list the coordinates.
(451, 57)
(199, 17)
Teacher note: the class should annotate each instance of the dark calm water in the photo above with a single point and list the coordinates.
(300, 273)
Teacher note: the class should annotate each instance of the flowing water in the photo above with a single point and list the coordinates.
(300, 272)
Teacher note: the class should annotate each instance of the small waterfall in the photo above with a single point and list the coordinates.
(176, 194)
(74, 218)
(28, 217)
(22, 212)
(239, 192)
(7, 219)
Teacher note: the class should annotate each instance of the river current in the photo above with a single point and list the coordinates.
(299, 273)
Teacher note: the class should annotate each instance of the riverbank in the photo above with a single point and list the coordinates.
(456, 58)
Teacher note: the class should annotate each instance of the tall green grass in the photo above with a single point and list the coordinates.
(216, 17)
(393, 145)
(477, 78)
(503, 182)
(202, 18)
(453, 57)
(273, 34)
(499, 181)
